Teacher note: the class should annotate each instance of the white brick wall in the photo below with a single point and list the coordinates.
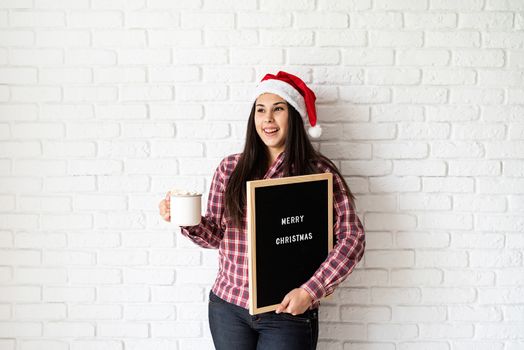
(105, 105)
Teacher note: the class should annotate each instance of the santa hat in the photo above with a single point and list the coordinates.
(292, 89)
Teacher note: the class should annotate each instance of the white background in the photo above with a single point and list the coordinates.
(105, 105)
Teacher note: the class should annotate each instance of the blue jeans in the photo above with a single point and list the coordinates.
(233, 328)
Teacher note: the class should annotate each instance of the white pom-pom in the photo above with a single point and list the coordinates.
(315, 131)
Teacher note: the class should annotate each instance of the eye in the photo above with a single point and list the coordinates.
(260, 110)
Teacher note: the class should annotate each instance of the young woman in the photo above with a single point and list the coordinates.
(276, 146)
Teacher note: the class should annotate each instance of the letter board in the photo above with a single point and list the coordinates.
(290, 228)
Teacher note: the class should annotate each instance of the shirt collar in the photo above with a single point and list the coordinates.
(275, 166)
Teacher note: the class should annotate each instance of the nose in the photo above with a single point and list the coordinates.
(269, 117)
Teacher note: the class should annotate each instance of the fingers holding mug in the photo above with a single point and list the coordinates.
(164, 207)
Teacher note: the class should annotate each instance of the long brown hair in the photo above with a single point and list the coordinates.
(299, 159)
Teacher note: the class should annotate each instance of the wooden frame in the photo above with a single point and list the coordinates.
(324, 179)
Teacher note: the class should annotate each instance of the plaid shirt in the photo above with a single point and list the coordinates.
(217, 231)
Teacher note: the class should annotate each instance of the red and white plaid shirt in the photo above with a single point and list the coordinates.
(217, 231)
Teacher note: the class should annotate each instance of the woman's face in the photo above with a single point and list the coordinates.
(271, 121)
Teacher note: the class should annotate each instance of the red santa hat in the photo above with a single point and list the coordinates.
(292, 89)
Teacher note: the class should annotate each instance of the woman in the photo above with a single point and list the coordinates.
(276, 146)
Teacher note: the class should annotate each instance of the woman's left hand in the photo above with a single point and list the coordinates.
(295, 302)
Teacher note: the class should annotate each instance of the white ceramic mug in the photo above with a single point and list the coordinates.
(185, 208)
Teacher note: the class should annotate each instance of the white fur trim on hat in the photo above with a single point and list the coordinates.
(284, 90)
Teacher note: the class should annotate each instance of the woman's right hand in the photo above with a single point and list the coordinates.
(164, 207)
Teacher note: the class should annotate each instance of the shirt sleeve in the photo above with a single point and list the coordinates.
(209, 232)
(348, 250)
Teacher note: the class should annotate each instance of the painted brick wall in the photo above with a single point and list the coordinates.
(105, 105)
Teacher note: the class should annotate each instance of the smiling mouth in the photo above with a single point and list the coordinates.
(270, 131)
